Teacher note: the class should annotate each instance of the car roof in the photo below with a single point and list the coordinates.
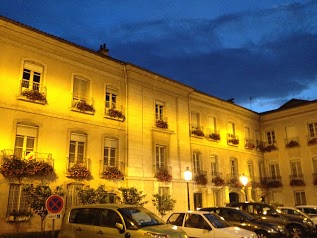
(194, 212)
(231, 208)
(308, 206)
(107, 205)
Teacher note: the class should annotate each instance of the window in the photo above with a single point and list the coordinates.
(32, 74)
(195, 120)
(160, 156)
(312, 130)
(25, 141)
(234, 168)
(300, 198)
(212, 124)
(72, 198)
(159, 110)
(17, 198)
(315, 165)
(110, 152)
(77, 148)
(111, 97)
(296, 169)
(164, 190)
(214, 165)
(247, 133)
(231, 128)
(197, 162)
(198, 201)
(270, 136)
(275, 171)
(251, 169)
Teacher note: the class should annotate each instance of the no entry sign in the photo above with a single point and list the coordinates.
(54, 204)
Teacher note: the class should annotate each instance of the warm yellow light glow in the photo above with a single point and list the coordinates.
(188, 174)
(244, 179)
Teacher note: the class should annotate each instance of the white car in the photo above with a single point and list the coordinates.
(311, 210)
(203, 224)
(298, 212)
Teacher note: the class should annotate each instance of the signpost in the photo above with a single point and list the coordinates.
(54, 205)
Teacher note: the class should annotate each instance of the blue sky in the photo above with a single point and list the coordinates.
(262, 53)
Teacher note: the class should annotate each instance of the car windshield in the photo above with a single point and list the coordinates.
(140, 217)
(217, 221)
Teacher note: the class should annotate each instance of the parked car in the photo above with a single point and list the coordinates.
(311, 210)
(203, 224)
(295, 211)
(114, 220)
(297, 226)
(240, 218)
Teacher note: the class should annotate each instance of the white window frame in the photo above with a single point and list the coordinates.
(197, 166)
(300, 198)
(77, 148)
(312, 130)
(275, 171)
(296, 168)
(17, 200)
(270, 136)
(110, 152)
(159, 110)
(35, 76)
(72, 198)
(111, 97)
(214, 165)
(25, 141)
(160, 156)
(234, 168)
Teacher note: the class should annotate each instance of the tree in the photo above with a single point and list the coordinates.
(132, 196)
(92, 196)
(163, 203)
(37, 196)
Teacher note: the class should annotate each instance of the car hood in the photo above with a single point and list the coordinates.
(230, 231)
(164, 228)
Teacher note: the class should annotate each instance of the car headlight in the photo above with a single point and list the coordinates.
(155, 235)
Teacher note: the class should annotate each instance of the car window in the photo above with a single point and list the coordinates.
(109, 218)
(216, 220)
(87, 216)
(176, 219)
(196, 221)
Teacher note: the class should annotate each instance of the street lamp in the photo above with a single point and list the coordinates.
(244, 181)
(188, 177)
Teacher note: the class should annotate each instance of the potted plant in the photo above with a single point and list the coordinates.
(83, 106)
(112, 173)
(249, 145)
(234, 141)
(78, 171)
(163, 175)
(218, 181)
(312, 141)
(297, 182)
(116, 114)
(200, 179)
(198, 132)
(292, 144)
(270, 148)
(161, 124)
(214, 136)
(34, 95)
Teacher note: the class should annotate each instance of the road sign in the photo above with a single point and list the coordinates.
(54, 204)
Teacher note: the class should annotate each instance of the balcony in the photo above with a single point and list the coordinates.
(161, 122)
(271, 182)
(291, 142)
(162, 173)
(232, 140)
(214, 136)
(78, 168)
(25, 164)
(311, 140)
(297, 180)
(197, 131)
(115, 113)
(32, 91)
(233, 181)
(112, 171)
(249, 144)
(83, 104)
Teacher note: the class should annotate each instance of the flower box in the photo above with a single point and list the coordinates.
(116, 114)
(163, 175)
(200, 179)
(235, 182)
(297, 182)
(218, 181)
(269, 148)
(78, 171)
(312, 141)
(233, 141)
(161, 124)
(249, 146)
(271, 184)
(214, 136)
(112, 173)
(83, 106)
(19, 216)
(34, 95)
(292, 144)
(198, 132)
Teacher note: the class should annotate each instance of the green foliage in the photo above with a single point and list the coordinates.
(37, 196)
(132, 196)
(93, 196)
(163, 203)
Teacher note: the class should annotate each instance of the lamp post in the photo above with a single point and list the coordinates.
(244, 181)
(188, 177)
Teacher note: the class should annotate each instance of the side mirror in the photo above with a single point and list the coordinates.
(120, 227)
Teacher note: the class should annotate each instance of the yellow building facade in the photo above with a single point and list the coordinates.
(82, 118)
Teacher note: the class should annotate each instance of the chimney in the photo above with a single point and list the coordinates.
(103, 50)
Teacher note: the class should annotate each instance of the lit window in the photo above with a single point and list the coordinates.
(300, 198)
(32, 74)
(77, 148)
(17, 198)
(110, 152)
(25, 141)
(160, 156)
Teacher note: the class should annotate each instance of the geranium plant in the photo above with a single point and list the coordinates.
(297, 182)
(79, 171)
(200, 179)
(161, 124)
(163, 175)
(112, 173)
(214, 136)
(34, 95)
(218, 181)
(198, 132)
(292, 144)
(234, 141)
(312, 141)
(116, 114)
(83, 106)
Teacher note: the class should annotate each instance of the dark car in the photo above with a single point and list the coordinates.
(242, 219)
(296, 226)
